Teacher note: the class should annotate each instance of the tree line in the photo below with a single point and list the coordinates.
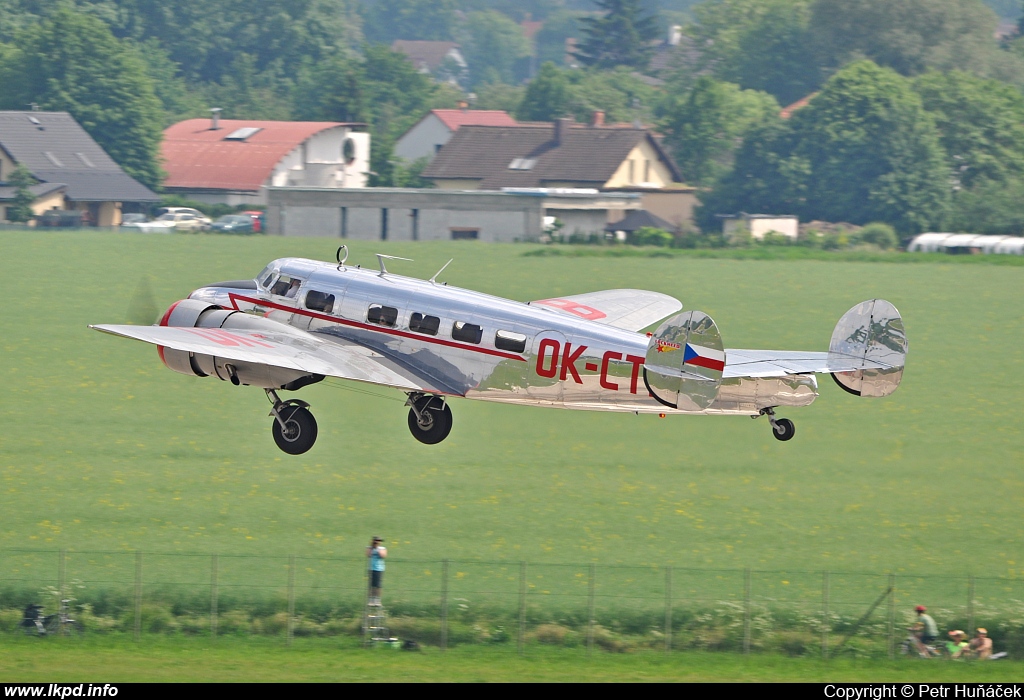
(914, 115)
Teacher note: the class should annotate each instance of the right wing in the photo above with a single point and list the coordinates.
(295, 350)
(630, 309)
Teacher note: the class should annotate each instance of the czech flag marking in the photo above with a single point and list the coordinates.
(700, 356)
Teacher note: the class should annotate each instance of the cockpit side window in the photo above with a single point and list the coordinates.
(287, 287)
(266, 277)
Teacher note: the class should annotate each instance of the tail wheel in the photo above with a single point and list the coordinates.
(299, 431)
(783, 429)
(430, 420)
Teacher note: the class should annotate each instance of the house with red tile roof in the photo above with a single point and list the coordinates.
(232, 161)
(435, 129)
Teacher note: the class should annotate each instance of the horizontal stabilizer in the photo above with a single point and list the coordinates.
(685, 360)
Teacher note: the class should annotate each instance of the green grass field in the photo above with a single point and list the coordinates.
(117, 660)
(106, 450)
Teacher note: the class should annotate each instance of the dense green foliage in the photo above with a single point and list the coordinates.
(20, 209)
(863, 150)
(703, 126)
(71, 61)
(620, 36)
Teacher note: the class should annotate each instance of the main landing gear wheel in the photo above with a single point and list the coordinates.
(294, 427)
(299, 431)
(783, 429)
(430, 419)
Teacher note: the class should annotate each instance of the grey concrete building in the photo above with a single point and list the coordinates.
(384, 213)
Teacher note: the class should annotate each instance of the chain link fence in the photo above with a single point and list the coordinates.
(507, 604)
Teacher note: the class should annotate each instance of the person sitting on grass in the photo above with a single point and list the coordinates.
(957, 645)
(981, 646)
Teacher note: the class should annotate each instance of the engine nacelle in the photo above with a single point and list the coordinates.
(193, 313)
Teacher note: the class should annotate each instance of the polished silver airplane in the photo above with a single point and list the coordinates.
(300, 321)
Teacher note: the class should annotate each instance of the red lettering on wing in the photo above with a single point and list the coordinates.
(226, 339)
(574, 308)
(545, 345)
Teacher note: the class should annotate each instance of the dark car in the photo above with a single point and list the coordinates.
(233, 223)
(61, 218)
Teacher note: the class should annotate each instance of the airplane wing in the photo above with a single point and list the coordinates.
(289, 349)
(779, 363)
(629, 309)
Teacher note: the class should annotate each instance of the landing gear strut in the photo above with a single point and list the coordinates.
(430, 419)
(782, 428)
(294, 427)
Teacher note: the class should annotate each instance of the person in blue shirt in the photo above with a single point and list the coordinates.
(376, 553)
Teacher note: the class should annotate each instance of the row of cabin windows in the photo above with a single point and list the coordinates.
(461, 331)
(418, 323)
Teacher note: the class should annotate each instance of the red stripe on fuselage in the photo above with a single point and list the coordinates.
(368, 327)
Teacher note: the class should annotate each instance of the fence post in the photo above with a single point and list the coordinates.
(213, 595)
(746, 611)
(590, 610)
(444, 604)
(291, 598)
(668, 608)
(138, 596)
(62, 555)
(825, 583)
(522, 607)
(970, 604)
(892, 615)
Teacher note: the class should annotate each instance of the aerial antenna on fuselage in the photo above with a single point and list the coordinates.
(433, 280)
(341, 260)
(380, 261)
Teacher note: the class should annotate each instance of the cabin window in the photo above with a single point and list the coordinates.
(382, 315)
(319, 301)
(467, 332)
(265, 277)
(286, 287)
(507, 340)
(419, 323)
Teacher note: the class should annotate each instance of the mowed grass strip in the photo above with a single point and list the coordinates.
(105, 449)
(116, 659)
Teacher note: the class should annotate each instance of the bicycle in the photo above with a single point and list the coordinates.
(61, 622)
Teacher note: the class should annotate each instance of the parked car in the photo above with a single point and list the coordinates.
(61, 218)
(169, 223)
(257, 220)
(203, 218)
(128, 219)
(234, 223)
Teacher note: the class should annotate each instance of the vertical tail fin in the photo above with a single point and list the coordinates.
(685, 360)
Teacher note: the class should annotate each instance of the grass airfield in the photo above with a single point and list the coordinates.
(108, 451)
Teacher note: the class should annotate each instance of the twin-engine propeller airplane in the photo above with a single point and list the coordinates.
(301, 320)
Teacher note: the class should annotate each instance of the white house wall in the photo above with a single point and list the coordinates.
(324, 149)
(423, 139)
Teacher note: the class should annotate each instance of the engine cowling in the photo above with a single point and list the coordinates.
(193, 313)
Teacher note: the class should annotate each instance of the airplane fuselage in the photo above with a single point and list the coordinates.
(553, 353)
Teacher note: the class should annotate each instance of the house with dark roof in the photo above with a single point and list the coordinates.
(74, 173)
(435, 129)
(559, 155)
(563, 154)
(232, 161)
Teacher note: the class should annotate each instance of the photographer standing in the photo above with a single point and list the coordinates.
(376, 553)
